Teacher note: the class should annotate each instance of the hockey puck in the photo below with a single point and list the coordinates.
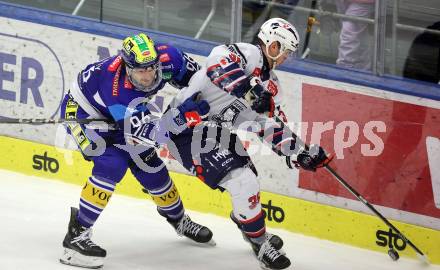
(393, 254)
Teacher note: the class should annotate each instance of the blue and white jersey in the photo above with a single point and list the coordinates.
(104, 91)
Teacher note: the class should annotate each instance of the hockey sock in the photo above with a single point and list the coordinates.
(168, 200)
(254, 228)
(94, 197)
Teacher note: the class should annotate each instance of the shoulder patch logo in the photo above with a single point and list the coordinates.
(115, 64)
(256, 72)
(224, 62)
(272, 87)
(167, 75)
(235, 58)
(164, 58)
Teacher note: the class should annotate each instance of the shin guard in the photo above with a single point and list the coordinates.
(243, 186)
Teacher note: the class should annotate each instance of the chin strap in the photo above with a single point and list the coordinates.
(274, 58)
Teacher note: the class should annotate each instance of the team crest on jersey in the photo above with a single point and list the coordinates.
(230, 113)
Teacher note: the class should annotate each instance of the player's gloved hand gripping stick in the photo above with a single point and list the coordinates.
(260, 99)
(313, 157)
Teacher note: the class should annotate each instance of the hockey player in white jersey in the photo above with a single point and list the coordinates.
(240, 86)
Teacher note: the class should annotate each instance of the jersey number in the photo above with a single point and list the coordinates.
(191, 64)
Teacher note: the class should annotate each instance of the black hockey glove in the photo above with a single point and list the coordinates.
(311, 158)
(260, 99)
(264, 103)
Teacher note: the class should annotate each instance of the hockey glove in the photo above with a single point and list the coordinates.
(255, 88)
(193, 110)
(312, 158)
(264, 104)
(260, 99)
(147, 129)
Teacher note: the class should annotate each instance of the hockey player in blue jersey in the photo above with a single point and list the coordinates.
(106, 90)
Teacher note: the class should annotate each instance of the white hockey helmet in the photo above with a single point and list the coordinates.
(277, 29)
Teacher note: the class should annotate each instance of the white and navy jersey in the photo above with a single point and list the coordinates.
(231, 66)
(223, 81)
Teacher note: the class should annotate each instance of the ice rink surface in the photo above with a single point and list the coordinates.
(34, 213)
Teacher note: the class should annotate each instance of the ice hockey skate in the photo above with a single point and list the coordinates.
(194, 231)
(269, 256)
(274, 239)
(79, 250)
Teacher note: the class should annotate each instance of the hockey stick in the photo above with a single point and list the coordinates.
(43, 121)
(420, 254)
(391, 252)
